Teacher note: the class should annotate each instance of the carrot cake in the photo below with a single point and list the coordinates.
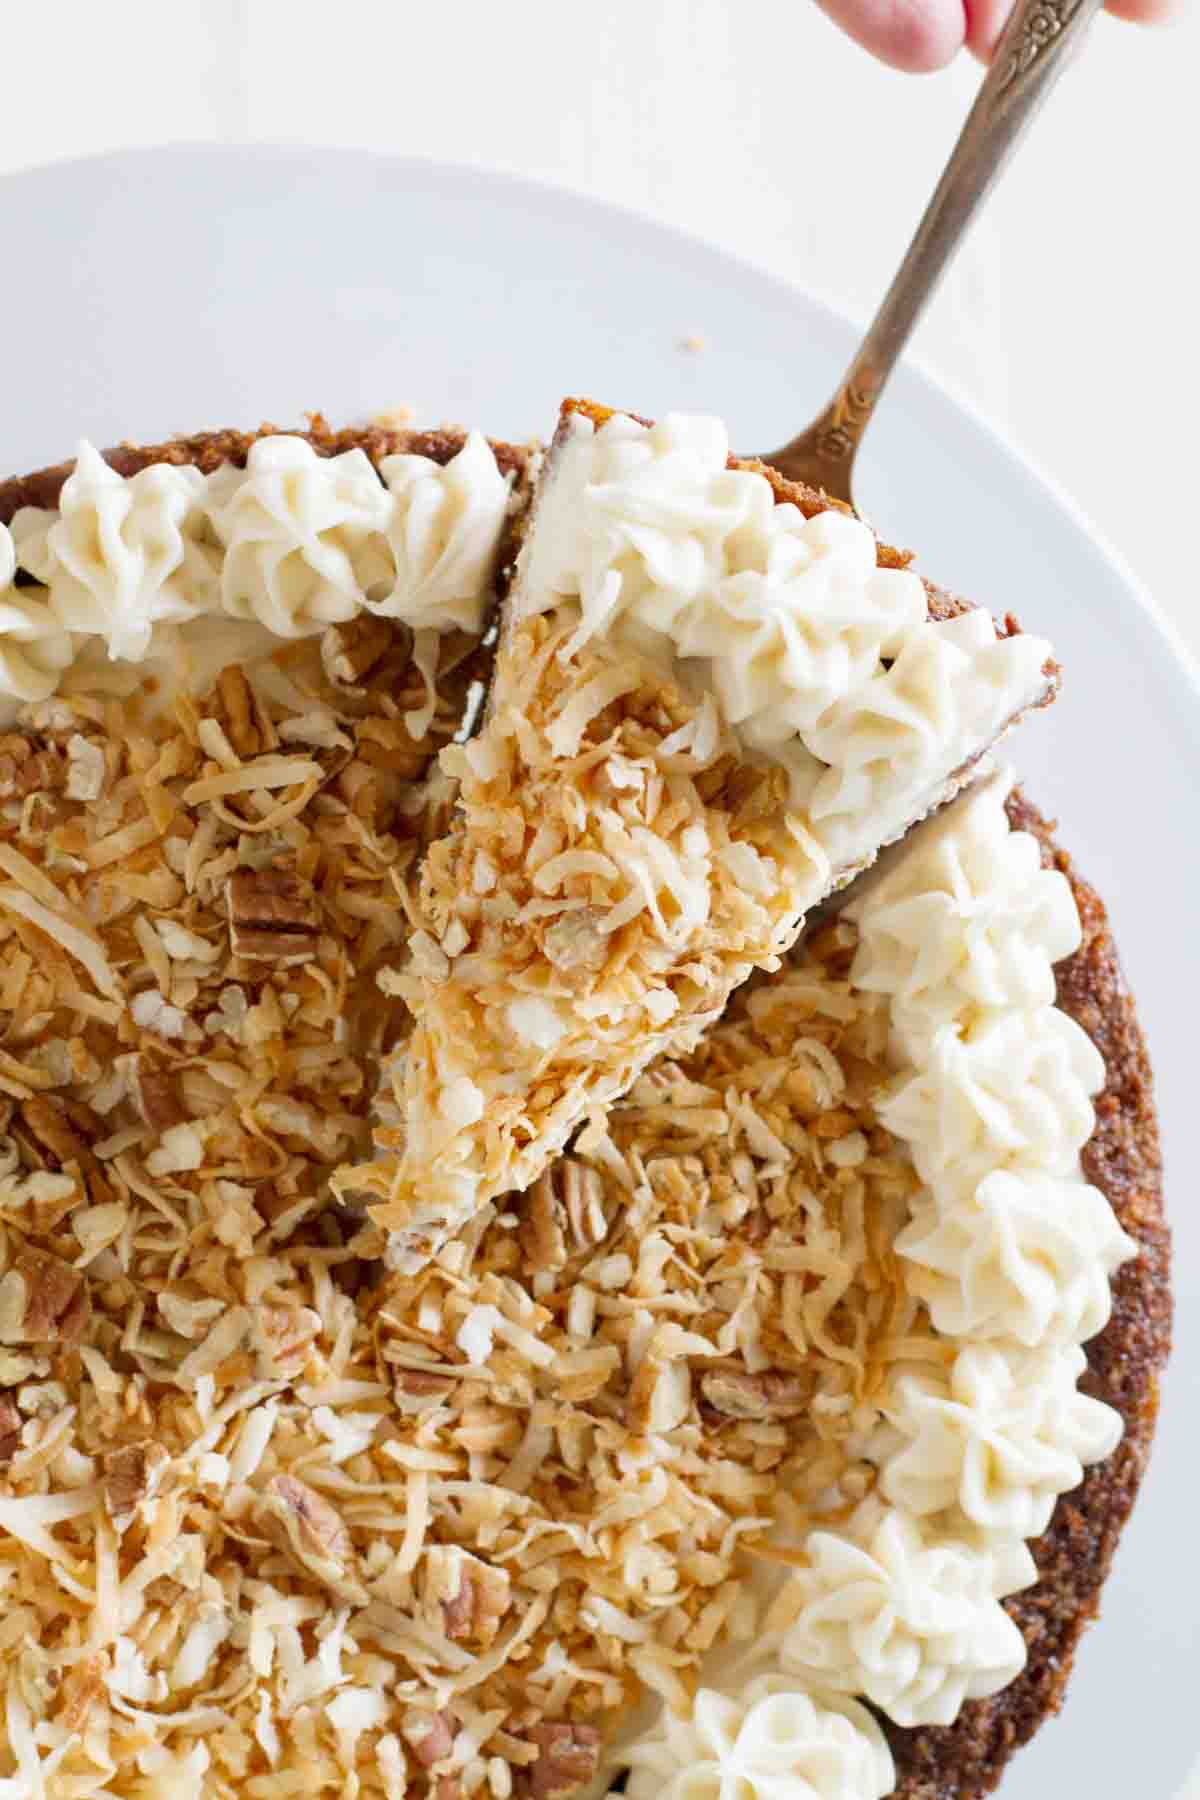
(779, 1432)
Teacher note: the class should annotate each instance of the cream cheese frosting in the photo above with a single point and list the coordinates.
(1025, 1257)
(35, 647)
(996, 1437)
(771, 1740)
(817, 657)
(303, 535)
(292, 543)
(972, 923)
(443, 531)
(1010, 1091)
(120, 556)
(899, 1612)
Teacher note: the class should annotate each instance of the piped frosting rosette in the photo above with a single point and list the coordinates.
(1011, 1251)
(293, 542)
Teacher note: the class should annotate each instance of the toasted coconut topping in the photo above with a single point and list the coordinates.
(275, 1518)
(615, 869)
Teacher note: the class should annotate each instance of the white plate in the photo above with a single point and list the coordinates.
(162, 291)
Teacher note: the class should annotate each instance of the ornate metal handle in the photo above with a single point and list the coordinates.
(1036, 45)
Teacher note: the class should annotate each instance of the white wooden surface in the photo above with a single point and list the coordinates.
(1068, 322)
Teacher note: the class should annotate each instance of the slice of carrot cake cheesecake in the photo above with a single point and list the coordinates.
(715, 697)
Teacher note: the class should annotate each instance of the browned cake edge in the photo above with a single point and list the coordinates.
(209, 450)
(1125, 1361)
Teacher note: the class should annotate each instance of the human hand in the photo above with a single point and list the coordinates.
(919, 35)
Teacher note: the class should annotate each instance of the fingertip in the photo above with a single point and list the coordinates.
(1146, 12)
(986, 20)
(923, 35)
(915, 36)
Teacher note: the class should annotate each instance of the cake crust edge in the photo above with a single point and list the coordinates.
(1125, 1363)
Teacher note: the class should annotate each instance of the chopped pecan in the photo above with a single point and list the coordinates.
(281, 1336)
(568, 1756)
(351, 650)
(543, 1234)
(10, 1429)
(564, 1212)
(310, 1529)
(771, 1394)
(418, 1390)
(131, 1475)
(27, 769)
(755, 1228)
(577, 943)
(435, 1744)
(582, 1192)
(58, 1127)
(157, 1095)
(42, 1300)
(237, 709)
(461, 1594)
(273, 916)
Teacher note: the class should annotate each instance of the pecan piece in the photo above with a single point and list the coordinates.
(568, 1756)
(25, 770)
(772, 1394)
(543, 1235)
(157, 1095)
(273, 916)
(57, 1127)
(312, 1531)
(10, 1429)
(564, 1212)
(461, 1594)
(351, 650)
(418, 1390)
(43, 1300)
(435, 1744)
(131, 1475)
(237, 706)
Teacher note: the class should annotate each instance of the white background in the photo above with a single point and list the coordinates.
(1068, 321)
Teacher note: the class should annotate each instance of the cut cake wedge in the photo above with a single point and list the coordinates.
(715, 698)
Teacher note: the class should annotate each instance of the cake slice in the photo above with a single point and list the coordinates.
(715, 697)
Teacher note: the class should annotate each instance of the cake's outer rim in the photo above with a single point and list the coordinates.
(1122, 1158)
(209, 450)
